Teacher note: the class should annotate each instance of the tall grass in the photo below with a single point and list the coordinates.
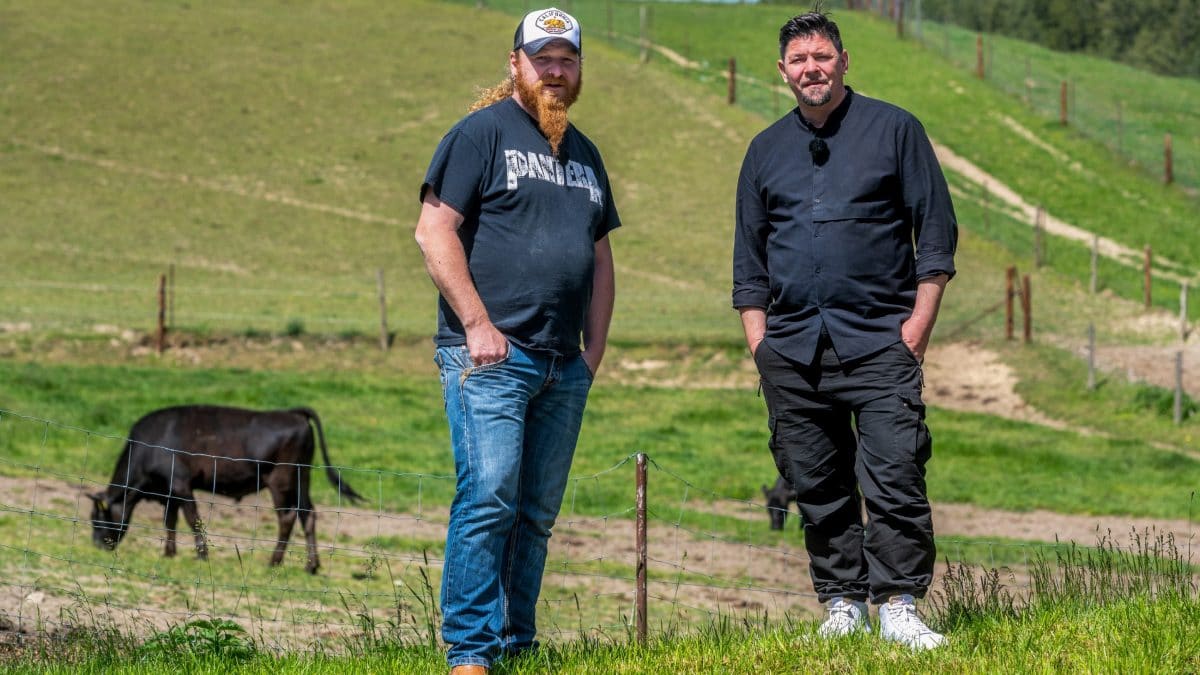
(1111, 610)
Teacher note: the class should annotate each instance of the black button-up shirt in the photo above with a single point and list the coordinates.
(838, 238)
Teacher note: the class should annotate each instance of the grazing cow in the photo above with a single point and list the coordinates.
(227, 451)
(779, 499)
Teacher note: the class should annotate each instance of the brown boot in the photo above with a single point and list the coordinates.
(469, 670)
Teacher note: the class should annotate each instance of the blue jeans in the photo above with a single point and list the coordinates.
(513, 427)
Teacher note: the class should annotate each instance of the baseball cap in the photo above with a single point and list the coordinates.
(542, 26)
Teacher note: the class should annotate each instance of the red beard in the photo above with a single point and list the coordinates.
(550, 111)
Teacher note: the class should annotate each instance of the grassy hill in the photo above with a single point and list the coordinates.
(271, 155)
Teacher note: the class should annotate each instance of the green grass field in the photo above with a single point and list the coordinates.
(268, 156)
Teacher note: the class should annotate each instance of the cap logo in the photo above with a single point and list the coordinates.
(554, 22)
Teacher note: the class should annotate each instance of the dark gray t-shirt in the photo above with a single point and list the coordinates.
(530, 224)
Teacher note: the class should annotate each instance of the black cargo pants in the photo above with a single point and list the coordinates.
(841, 429)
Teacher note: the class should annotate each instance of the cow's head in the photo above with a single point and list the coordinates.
(108, 520)
(778, 499)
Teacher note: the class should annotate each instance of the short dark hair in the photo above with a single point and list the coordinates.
(806, 25)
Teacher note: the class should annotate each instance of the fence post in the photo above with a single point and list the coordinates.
(645, 40)
(161, 332)
(900, 19)
(1183, 311)
(640, 591)
(986, 207)
(1039, 220)
(1010, 276)
(1091, 380)
(1120, 130)
(979, 55)
(1027, 308)
(1179, 387)
(1095, 263)
(1168, 163)
(171, 296)
(383, 327)
(1146, 278)
(1028, 82)
(1062, 103)
(732, 97)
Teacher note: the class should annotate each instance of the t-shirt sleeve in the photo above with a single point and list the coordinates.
(611, 220)
(456, 172)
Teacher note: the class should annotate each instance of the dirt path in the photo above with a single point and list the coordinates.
(692, 573)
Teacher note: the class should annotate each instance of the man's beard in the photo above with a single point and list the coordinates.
(551, 113)
(819, 100)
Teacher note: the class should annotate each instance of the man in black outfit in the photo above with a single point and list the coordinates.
(844, 243)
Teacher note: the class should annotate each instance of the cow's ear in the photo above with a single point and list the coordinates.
(100, 501)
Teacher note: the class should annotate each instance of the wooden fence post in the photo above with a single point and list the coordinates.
(161, 332)
(645, 39)
(171, 296)
(732, 97)
(1179, 387)
(1168, 161)
(1183, 311)
(1062, 103)
(1039, 226)
(1095, 263)
(1146, 277)
(640, 548)
(979, 55)
(900, 19)
(986, 207)
(1010, 276)
(1028, 82)
(383, 327)
(1027, 308)
(1091, 380)
(1120, 129)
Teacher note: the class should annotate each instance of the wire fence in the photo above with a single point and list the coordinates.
(1060, 88)
(710, 556)
(257, 306)
(1047, 81)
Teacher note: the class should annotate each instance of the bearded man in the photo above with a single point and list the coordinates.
(516, 211)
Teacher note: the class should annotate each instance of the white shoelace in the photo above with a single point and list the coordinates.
(843, 618)
(903, 621)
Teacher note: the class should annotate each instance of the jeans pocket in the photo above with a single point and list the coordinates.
(487, 366)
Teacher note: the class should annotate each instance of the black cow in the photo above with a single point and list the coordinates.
(779, 499)
(227, 451)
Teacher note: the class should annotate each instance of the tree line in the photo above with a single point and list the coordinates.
(1157, 35)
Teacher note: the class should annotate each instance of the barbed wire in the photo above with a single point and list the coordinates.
(194, 289)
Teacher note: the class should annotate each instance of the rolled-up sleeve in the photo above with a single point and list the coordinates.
(927, 203)
(751, 279)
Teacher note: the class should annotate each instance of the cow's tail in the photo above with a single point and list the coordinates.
(334, 475)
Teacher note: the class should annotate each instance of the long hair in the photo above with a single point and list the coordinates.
(493, 94)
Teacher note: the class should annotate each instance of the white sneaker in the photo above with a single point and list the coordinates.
(898, 622)
(845, 617)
